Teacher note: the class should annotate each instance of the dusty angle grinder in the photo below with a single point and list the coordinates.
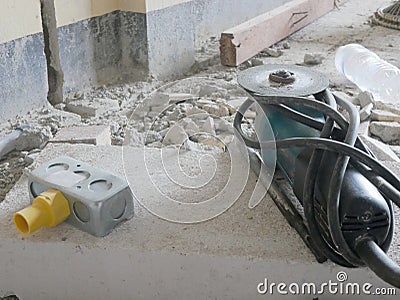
(342, 197)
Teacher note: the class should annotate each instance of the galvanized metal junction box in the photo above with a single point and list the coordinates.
(98, 200)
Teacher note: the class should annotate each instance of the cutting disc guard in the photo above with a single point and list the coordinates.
(306, 81)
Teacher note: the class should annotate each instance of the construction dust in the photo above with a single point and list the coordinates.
(157, 114)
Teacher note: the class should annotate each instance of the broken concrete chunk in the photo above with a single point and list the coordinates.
(175, 136)
(365, 98)
(344, 96)
(190, 127)
(158, 100)
(33, 138)
(133, 137)
(213, 142)
(382, 151)
(91, 108)
(184, 107)
(313, 58)
(388, 132)
(151, 137)
(201, 102)
(94, 135)
(209, 126)
(237, 102)
(273, 52)
(384, 116)
(216, 110)
(199, 113)
(256, 62)
(363, 129)
(180, 97)
(223, 126)
(392, 107)
(366, 111)
(396, 150)
(250, 114)
(207, 90)
(286, 45)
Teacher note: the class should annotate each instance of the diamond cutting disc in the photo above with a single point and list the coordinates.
(295, 80)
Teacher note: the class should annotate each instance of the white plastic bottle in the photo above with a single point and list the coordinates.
(369, 72)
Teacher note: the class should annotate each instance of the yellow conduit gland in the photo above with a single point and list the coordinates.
(48, 209)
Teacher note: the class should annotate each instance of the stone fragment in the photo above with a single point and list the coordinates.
(33, 138)
(250, 114)
(363, 129)
(133, 137)
(391, 107)
(175, 136)
(273, 52)
(313, 58)
(286, 45)
(95, 135)
(384, 116)
(366, 111)
(91, 108)
(207, 90)
(151, 136)
(180, 97)
(256, 62)
(209, 126)
(365, 98)
(190, 127)
(344, 96)
(201, 102)
(222, 126)
(237, 102)
(226, 138)
(197, 112)
(216, 110)
(158, 100)
(388, 132)
(213, 142)
(382, 151)
(396, 150)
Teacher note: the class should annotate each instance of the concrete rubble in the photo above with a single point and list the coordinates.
(273, 52)
(195, 114)
(365, 98)
(313, 59)
(95, 135)
(388, 132)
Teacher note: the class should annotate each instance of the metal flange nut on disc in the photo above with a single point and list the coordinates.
(282, 80)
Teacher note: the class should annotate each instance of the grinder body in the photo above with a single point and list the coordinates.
(363, 210)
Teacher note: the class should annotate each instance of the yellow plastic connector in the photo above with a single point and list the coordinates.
(48, 209)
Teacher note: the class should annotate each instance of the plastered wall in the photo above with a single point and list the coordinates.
(19, 18)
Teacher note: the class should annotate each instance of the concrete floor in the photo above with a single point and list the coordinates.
(150, 258)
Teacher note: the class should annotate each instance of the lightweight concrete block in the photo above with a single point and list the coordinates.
(388, 132)
(91, 108)
(382, 151)
(95, 135)
(384, 116)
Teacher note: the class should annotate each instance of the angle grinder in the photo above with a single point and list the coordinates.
(343, 194)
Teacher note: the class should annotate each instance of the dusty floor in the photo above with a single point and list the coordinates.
(209, 89)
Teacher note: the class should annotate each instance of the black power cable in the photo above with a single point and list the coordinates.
(342, 140)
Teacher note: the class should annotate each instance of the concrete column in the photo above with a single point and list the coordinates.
(55, 74)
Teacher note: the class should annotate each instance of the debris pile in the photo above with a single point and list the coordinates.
(195, 113)
(380, 124)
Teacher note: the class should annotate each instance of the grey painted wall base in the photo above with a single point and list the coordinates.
(23, 83)
(117, 47)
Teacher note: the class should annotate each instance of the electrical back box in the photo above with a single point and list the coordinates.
(98, 200)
